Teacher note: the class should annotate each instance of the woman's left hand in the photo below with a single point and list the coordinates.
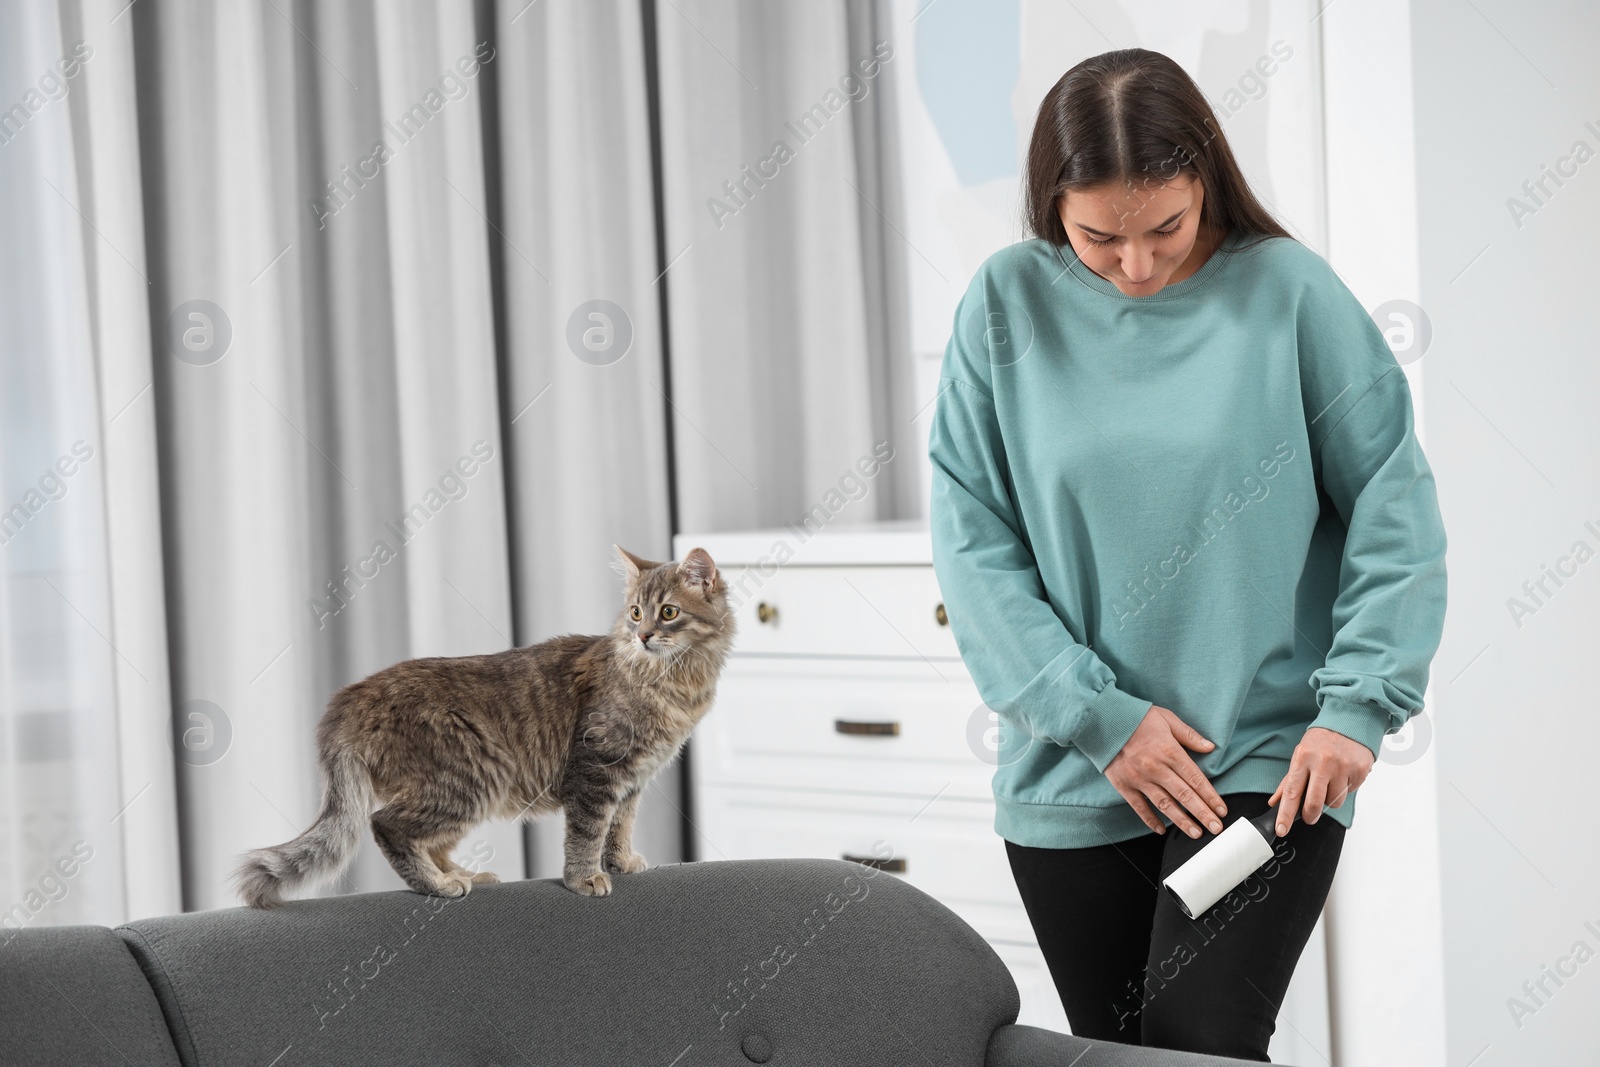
(1325, 769)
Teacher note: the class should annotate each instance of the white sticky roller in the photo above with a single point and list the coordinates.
(1226, 860)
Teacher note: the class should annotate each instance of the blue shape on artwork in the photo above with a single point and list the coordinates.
(969, 56)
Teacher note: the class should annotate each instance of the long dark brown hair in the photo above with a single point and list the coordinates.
(1134, 117)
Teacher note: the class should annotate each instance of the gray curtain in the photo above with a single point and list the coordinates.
(374, 350)
(790, 358)
(333, 488)
(588, 448)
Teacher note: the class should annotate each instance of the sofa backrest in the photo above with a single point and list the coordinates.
(73, 995)
(732, 962)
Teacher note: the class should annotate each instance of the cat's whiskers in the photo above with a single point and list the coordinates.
(696, 650)
(712, 665)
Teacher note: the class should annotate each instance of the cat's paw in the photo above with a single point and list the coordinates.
(596, 884)
(454, 884)
(486, 878)
(632, 863)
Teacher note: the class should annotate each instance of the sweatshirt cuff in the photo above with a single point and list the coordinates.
(1111, 719)
(1356, 720)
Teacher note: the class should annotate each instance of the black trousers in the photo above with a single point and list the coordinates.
(1130, 967)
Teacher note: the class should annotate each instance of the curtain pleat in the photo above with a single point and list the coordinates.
(781, 378)
(105, 128)
(587, 429)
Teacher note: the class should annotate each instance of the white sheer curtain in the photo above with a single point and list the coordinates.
(87, 791)
(336, 413)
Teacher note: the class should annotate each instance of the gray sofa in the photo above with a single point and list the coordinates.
(793, 962)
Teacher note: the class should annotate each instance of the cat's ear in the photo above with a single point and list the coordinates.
(631, 566)
(698, 569)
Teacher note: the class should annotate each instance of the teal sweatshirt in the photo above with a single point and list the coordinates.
(1210, 498)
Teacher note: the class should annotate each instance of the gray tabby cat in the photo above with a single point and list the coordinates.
(576, 722)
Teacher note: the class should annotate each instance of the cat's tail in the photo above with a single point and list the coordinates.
(326, 847)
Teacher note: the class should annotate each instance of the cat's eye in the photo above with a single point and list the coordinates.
(635, 614)
(669, 612)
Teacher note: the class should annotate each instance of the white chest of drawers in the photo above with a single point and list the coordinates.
(846, 726)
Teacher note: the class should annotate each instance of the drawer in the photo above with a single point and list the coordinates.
(840, 611)
(949, 847)
(909, 728)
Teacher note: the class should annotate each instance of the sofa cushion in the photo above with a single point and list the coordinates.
(732, 962)
(72, 995)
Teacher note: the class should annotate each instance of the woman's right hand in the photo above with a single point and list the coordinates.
(1154, 768)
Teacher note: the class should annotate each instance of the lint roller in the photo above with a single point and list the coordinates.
(1226, 860)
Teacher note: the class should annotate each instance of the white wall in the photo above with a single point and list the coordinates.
(1511, 388)
(1383, 916)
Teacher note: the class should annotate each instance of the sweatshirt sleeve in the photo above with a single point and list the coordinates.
(1026, 664)
(1388, 616)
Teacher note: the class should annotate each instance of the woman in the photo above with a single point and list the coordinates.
(1190, 550)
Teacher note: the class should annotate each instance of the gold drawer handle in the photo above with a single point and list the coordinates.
(939, 615)
(867, 729)
(766, 612)
(893, 866)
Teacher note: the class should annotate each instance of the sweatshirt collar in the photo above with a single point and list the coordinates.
(1077, 270)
